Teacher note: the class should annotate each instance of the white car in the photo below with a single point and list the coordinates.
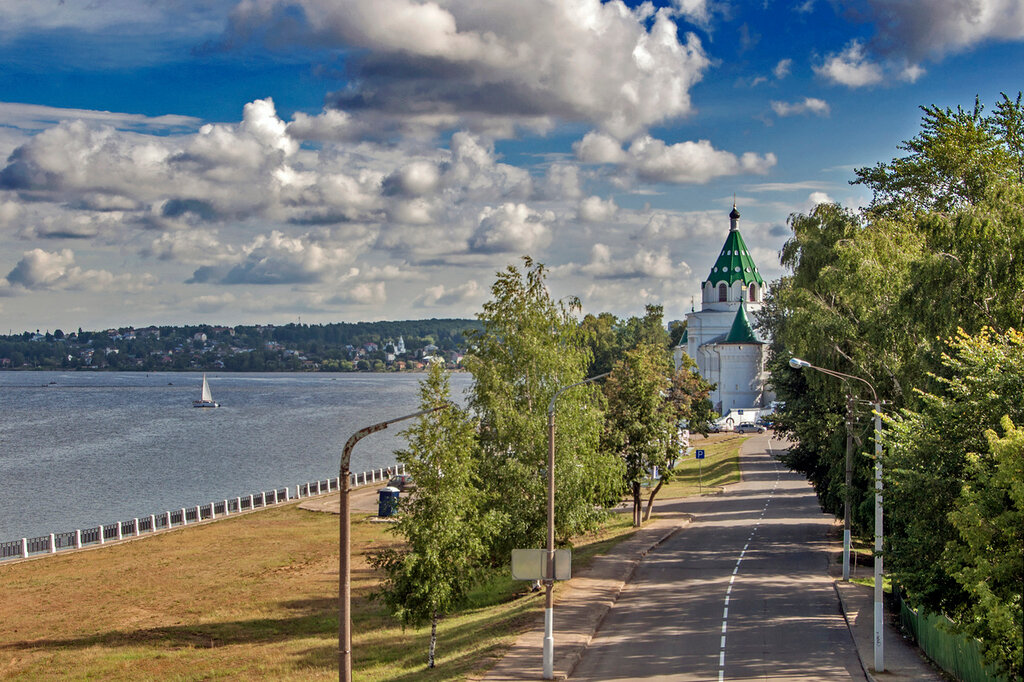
(749, 427)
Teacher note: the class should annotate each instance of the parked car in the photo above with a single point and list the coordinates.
(402, 481)
(749, 427)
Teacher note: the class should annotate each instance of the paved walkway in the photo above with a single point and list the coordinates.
(582, 603)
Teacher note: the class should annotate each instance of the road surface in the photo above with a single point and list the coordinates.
(742, 593)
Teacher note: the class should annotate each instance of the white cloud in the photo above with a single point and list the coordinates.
(597, 210)
(40, 117)
(511, 228)
(815, 198)
(440, 295)
(643, 263)
(851, 67)
(528, 60)
(362, 293)
(278, 259)
(596, 147)
(40, 270)
(809, 105)
(783, 68)
(699, 226)
(691, 162)
(652, 160)
(199, 247)
(855, 68)
(213, 303)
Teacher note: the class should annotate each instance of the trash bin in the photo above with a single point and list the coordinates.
(387, 501)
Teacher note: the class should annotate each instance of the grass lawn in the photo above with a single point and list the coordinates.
(720, 467)
(255, 596)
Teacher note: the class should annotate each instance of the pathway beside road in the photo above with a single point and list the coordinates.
(743, 591)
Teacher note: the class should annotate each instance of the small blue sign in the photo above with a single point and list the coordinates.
(700, 454)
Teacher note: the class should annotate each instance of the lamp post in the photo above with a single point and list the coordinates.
(549, 583)
(797, 363)
(345, 547)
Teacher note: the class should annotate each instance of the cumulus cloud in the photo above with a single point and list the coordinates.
(661, 226)
(935, 28)
(602, 63)
(196, 247)
(361, 293)
(855, 68)
(40, 270)
(851, 67)
(815, 198)
(597, 210)
(277, 259)
(643, 263)
(440, 295)
(511, 228)
(809, 105)
(653, 160)
(783, 68)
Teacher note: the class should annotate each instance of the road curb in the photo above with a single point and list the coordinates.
(849, 626)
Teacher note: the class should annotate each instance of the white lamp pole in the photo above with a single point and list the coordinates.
(549, 583)
(797, 363)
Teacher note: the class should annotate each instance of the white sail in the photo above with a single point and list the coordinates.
(207, 398)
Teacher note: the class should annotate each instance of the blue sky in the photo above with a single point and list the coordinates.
(265, 161)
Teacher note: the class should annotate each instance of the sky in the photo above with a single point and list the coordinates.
(275, 161)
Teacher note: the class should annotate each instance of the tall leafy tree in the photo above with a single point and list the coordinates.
(876, 294)
(445, 527)
(928, 464)
(987, 558)
(641, 422)
(531, 346)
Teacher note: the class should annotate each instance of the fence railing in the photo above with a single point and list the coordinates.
(120, 530)
(958, 655)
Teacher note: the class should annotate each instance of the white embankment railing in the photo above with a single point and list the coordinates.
(119, 530)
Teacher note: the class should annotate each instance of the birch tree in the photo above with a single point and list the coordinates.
(445, 529)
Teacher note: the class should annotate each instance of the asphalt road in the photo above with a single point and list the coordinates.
(742, 593)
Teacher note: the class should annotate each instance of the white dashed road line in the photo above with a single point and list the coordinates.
(739, 562)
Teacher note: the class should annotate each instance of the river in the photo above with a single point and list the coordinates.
(78, 449)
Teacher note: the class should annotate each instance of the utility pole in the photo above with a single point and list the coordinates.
(849, 484)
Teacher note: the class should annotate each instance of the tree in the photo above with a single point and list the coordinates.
(528, 348)
(445, 530)
(952, 163)
(928, 466)
(640, 423)
(988, 557)
(876, 294)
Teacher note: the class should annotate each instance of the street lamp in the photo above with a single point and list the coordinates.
(797, 363)
(345, 547)
(549, 582)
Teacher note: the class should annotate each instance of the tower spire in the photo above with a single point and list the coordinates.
(734, 216)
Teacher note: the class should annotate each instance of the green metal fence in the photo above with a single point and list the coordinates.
(957, 655)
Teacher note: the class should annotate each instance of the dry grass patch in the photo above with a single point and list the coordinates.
(254, 596)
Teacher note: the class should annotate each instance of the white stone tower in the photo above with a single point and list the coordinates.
(719, 337)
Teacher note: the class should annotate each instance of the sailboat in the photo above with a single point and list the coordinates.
(207, 398)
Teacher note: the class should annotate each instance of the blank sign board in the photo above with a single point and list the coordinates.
(531, 564)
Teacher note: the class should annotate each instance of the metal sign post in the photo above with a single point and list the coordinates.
(700, 471)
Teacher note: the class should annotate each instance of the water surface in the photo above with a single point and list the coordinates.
(78, 449)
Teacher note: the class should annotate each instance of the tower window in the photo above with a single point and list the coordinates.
(753, 292)
(723, 293)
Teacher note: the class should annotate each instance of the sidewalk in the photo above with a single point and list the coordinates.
(903, 660)
(581, 605)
